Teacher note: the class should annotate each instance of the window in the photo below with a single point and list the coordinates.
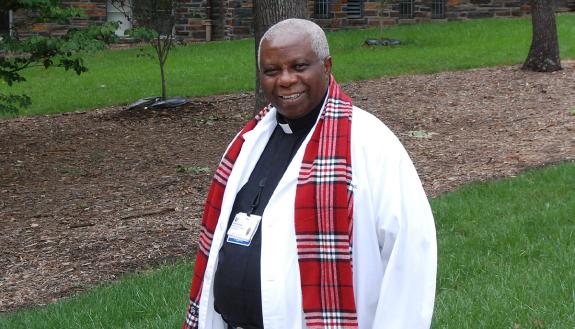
(354, 9)
(5, 23)
(321, 8)
(438, 9)
(120, 14)
(405, 8)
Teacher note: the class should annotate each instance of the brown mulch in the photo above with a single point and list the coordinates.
(88, 196)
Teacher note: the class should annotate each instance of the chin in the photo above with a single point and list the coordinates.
(293, 114)
(294, 111)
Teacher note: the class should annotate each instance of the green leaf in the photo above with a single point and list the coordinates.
(142, 34)
(12, 103)
(47, 63)
(420, 134)
(47, 51)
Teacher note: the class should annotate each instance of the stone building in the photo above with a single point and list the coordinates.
(206, 20)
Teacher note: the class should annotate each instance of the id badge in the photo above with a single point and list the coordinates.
(243, 229)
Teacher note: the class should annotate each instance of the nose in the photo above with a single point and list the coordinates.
(287, 78)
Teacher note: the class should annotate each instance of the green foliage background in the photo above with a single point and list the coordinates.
(120, 76)
(46, 51)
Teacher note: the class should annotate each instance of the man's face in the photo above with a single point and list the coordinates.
(292, 77)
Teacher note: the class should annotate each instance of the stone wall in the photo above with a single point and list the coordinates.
(94, 10)
(238, 19)
(191, 20)
(422, 12)
(227, 19)
(340, 17)
(233, 19)
(469, 9)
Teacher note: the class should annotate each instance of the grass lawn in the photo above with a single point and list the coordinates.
(507, 253)
(120, 76)
(155, 299)
(506, 260)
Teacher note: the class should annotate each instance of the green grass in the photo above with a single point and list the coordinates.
(506, 260)
(120, 77)
(507, 253)
(154, 299)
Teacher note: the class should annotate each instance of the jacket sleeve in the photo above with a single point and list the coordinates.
(407, 241)
(394, 232)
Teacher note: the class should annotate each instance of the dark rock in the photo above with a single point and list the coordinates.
(169, 103)
(381, 42)
(144, 102)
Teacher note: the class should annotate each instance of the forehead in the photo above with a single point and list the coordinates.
(287, 46)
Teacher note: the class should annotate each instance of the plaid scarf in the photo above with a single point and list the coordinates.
(323, 218)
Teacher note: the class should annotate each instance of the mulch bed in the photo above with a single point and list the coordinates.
(86, 197)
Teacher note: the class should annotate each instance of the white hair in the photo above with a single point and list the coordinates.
(301, 26)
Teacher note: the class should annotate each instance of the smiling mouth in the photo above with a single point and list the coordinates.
(290, 97)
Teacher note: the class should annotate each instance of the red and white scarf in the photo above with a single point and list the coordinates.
(323, 218)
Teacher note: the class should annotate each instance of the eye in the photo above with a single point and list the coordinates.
(270, 72)
(300, 67)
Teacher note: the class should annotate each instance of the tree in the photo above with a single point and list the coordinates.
(18, 54)
(544, 52)
(266, 14)
(381, 14)
(383, 4)
(154, 20)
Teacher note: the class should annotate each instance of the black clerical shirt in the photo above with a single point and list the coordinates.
(237, 287)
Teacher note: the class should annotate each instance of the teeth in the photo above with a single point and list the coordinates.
(294, 96)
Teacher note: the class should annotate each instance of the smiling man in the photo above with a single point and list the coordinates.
(316, 217)
(293, 76)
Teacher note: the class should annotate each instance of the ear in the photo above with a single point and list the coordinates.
(327, 64)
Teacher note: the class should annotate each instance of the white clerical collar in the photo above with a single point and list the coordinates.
(286, 128)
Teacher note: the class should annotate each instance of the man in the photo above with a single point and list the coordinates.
(316, 217)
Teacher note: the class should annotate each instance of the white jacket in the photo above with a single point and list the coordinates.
(394, 244)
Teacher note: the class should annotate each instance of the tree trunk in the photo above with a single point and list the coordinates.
(266, 14)
(544, 52)
(163, 77)
(160, 49)
(162, 46)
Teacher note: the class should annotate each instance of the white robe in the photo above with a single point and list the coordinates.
(394, 244)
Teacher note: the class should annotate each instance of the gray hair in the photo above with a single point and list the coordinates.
(302, 26)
